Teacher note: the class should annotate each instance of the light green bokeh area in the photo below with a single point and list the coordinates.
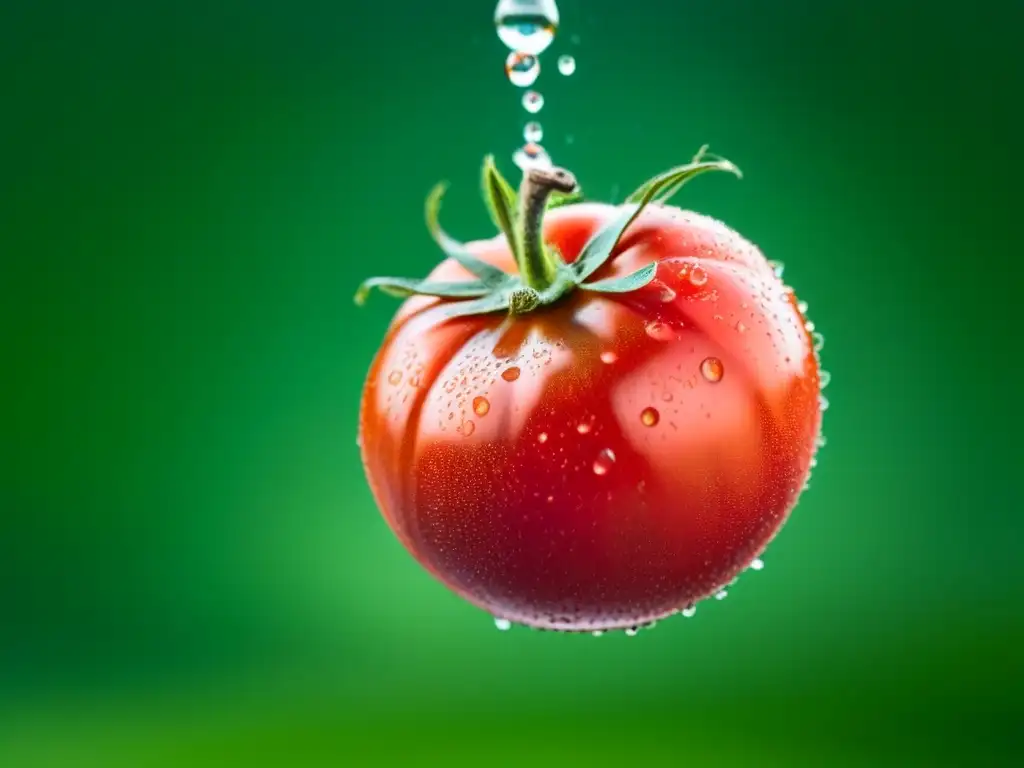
(193, 570)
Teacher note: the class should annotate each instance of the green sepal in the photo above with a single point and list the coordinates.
(501, 201)
(558, 199)
(403, 287)
(493, 302)
(631, 282)
(489, 274)
(698, 164)
(599, 248)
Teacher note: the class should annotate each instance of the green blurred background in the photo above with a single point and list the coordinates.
(193, 570)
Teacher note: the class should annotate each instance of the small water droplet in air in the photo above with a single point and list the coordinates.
(526, 25)
(712, 369)
(823, 402)
(757, 564)
(777, 267)
(609, 357)
(522, 69)
(689, 611)
(819, 341)
(649, 416)
(481, 406)
(395, 378)
(604, 461)
(533, 102)
(632, 632)
(740, 326)
(542, 437)
(698, 275)
(533, 132)
(531, 156)
(721, 595)
(824, 378)
(566, 64)
(503, 624)
(510, 374)
(660, 331)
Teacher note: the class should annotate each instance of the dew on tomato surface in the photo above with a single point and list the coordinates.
(466, 428)
(819, 341)
(802, 307)
(698, 275)
(824, 378)
(660, 331)
(823, 402)
(502, 624)
(584, 427)
(566, 64)
(689, 611)
(510, 374)
(395, 378)
(712, 370)
(777, 267)
(740, 327)
(533, 132)
(608, 357)
(542, 437)
(526, 25)
(597, 632)
(649, 416)
(533, 102)
(522, 69)
(721, 594)
(757, 564)
(665, 293)
(604, 462)
(481, 405)
(531, 155)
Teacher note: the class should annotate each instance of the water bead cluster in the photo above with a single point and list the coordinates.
(527, 28)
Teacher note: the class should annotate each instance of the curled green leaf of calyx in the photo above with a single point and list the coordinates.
(599, 248)
(485, 305)
(501, 202)
(631, 282)
(558, 199)
(703, 160)
(403, 287)
(489, 274)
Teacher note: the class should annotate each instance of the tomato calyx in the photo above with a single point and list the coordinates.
(544, 277)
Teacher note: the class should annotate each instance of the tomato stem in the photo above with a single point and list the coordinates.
(537, 264)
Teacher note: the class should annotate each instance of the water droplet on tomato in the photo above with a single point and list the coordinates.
(584, 427)
(533, 102)
(632, 632)
(566, 64)
(533, 132)
(820, 442)
(481, 406)
(778, 267)
(802, 307)
(823, 402)
(660, 331)
(689, 611)
(819, 341)
(502, 624)
(809, 326)
(597, 632)
(531, 156)
(757, 564)
(721, 594)
(608, 357)
(698, 275)
(740, 327)
(814, 462)
(510, 374)
(712, 369)
(395, 378)
(526, 25)
(824, 378)
(467, 428)
(665, 293)
(649, 416)
(604, 462)
(542, 437)
(522, 68)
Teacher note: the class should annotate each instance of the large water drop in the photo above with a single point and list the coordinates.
(528, 26)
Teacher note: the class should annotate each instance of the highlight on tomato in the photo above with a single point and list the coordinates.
(598, 417)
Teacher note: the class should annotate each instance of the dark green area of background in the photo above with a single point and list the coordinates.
(192, 570)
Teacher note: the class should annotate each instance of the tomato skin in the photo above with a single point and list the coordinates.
(608, 460)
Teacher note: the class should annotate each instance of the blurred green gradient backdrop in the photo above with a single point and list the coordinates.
(193, 570)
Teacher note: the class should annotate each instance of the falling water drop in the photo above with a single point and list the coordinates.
(522, 69)
(531, 156)
(533, 102)
(526, 25)
(566, 64)
(533, 132)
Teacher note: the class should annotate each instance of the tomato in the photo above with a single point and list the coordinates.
(608, 458)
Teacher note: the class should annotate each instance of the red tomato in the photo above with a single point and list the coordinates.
(609, 459)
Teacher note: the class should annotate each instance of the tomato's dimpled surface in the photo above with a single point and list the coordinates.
(607, 460)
